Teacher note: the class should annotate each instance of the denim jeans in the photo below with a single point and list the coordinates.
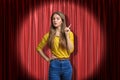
(60, 70)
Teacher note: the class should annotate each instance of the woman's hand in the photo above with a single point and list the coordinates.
(67, 30)
(52, 58)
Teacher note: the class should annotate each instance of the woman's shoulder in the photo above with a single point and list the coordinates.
(46, 34)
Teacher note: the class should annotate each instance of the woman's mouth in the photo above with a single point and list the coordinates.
(55, 23)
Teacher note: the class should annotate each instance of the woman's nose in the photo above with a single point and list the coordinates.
(55, 20)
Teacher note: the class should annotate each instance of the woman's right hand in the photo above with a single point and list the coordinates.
(52, 57)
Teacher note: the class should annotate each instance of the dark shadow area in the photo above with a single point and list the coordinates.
(12, 14)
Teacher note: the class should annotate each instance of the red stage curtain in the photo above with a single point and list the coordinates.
(89, 37)
(31, 20)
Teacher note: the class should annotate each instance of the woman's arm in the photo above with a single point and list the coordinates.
(69, 43)
(43, 55)
(41, 45)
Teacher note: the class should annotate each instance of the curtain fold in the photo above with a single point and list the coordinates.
(85, 26)
(28, 20)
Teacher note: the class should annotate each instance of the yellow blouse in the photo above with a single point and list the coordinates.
(56, 50)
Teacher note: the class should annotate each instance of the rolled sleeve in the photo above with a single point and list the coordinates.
(43, 42)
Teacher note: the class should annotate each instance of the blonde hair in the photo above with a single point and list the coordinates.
(62, 43)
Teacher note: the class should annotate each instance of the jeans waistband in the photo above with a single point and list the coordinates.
(61, 59)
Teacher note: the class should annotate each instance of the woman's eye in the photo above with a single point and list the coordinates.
(56, 18)
(53, 18)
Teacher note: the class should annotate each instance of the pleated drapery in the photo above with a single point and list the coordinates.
(89, 37)
(31, 20)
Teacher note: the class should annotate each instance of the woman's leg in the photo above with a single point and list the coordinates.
(54, 70)
(66, 70)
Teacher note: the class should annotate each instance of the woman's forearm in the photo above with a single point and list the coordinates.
(43, 55)
(69, 43)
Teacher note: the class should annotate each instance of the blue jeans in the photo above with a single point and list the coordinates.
(60, 70)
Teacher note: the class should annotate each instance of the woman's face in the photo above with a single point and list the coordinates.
(56, 20)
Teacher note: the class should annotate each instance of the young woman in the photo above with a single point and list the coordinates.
(61, 43)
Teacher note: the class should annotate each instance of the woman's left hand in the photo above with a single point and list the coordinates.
(67, 30)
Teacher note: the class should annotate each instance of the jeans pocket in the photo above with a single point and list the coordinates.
(69, 64)
(54, 63)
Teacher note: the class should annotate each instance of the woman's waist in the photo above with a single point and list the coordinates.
(61, 54)
(59, 57)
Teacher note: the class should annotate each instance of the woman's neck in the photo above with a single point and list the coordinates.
(58, 31)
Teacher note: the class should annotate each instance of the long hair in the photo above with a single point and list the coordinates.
(62, 39)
